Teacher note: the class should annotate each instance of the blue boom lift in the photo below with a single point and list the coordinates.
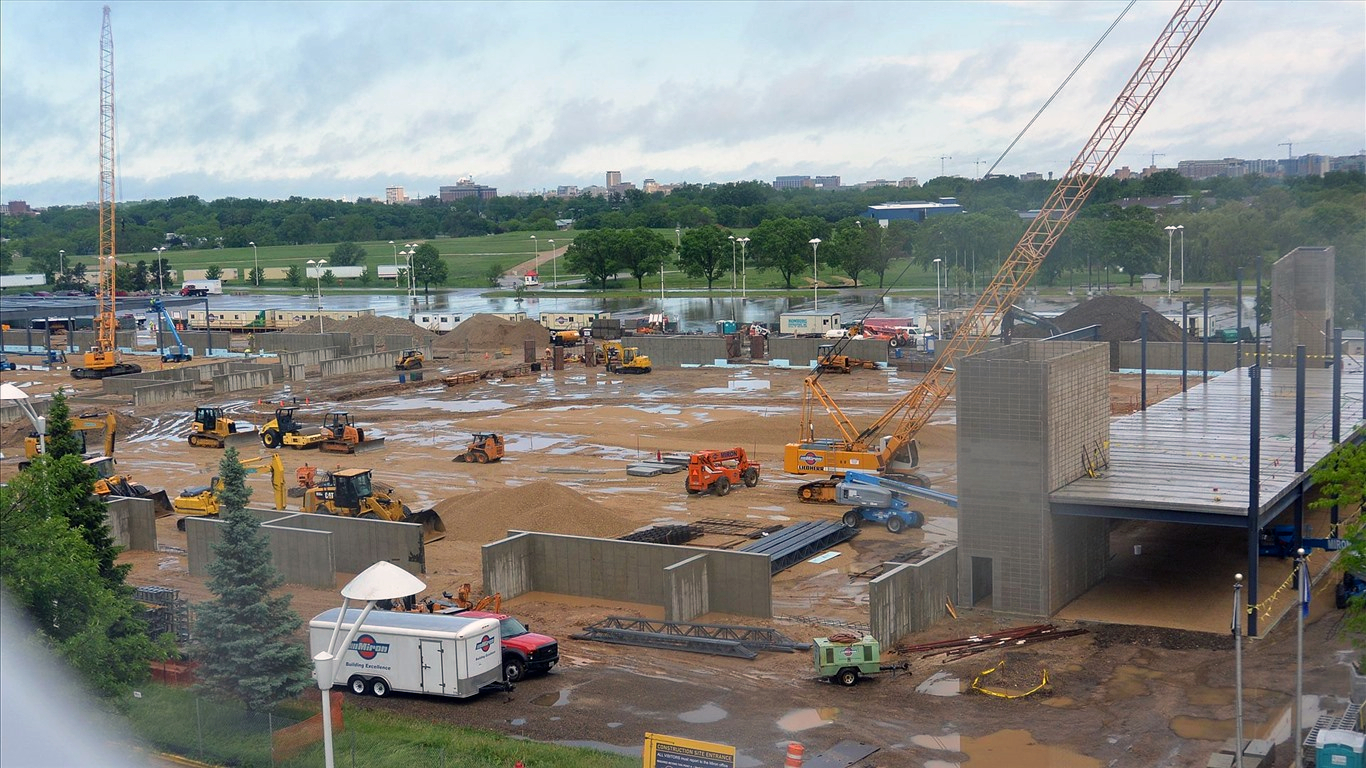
(882, 499)
(180, 354)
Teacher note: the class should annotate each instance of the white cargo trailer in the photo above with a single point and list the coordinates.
(413, 652)
(807, 324)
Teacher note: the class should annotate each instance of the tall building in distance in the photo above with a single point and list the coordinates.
(613, 179)
(394, 196)
(466, 188)
(793, 182)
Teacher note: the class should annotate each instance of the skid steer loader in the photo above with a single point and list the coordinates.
(341, 435)
(485, 448)
(352, 493)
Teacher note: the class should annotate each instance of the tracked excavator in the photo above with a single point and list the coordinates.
(202, 501)
(888, 444)
(111, 483)
(81, 425)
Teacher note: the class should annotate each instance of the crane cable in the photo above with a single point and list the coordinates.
(1067, 80)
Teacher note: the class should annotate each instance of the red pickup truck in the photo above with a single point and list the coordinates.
(524, 651)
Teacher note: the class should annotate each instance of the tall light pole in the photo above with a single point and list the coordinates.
(395, 247)
(1170, 231)
(744, 275)
(1182, 229)
(536, 248)
(553, 268)
(61, 262)
(318, 273)
(412, 279)
(938, 304)
(815, 280)
(733, 318)
(161, 269)
(255, 266)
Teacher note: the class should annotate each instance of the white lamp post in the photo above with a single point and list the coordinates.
(732, 277)
(12, 394)
(536, 249)
(815, 281)
(256, 265)
(744, 275)
(553, 267)
(395, 247)
(161, 269)
(1170, 231)
(412, 279)
(381, 581)
(938, 305)
(61, 262)
(1182, 229)
(318, 273)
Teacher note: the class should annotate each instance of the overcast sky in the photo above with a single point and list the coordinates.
(327, 99)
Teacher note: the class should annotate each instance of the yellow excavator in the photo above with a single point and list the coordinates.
(620, 359)
(352, 493)
(111, 483)
(86, 422)
(202, 501)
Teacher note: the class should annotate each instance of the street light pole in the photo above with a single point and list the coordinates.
(536, 248)
(161, 269)
(552, 263)
(1182, 229)
(1170, 231)
(815, 279)
(61, 262)
(395, 247)
(733, 318)
(318, 273)
(255, 266)
(938, 304)
(744, 274)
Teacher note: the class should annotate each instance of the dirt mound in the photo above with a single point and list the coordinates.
(539, 506)
(376, 325)
(489, 332)
(1117, 316)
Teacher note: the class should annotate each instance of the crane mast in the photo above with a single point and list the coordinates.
(103, 359)
(892, 434)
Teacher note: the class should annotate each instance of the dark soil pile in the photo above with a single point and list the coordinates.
(1117, 316)
(540, 506)
(490, 332)
(378, 326)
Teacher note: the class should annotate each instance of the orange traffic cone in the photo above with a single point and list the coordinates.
(795, 751)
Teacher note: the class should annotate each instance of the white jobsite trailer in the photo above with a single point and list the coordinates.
(428, 653)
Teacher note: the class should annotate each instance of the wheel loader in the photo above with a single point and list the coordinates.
(352, 493)
(202, 501)
(485, 448)
(341, 435)
(212, 429)
(285, 430)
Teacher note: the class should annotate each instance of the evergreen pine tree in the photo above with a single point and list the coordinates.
(246, 651)
(61, 440)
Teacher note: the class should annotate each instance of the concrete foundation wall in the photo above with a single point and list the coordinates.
(295, 373)
(83, 340)
(687, 589)
(358, 363)
(737, 582)
(673, 351)
(296, 342)
(239, 380)
(391, 342)
(1027, 413)
(910, 597)
(301, 556)
(801, 352)
(1301, 302)
(154, 394)
(359, 544)
(308, 357)
(132, 523)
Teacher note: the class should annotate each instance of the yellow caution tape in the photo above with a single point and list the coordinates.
(1265, 605)
(977, 684)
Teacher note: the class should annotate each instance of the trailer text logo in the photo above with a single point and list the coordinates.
(485, 643)
(368, 647)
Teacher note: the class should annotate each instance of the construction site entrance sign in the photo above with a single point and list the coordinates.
(675, 752)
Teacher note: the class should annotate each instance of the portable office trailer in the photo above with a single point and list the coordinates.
(413, 652)
(807, 324)
(567, 321)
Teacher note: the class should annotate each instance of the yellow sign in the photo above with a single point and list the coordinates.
(675, 752)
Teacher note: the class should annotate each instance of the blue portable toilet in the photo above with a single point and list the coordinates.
(1339, 749)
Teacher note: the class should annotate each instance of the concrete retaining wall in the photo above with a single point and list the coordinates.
(301, 556)
(296, 342)
(687, 589)
(154, 394)
(233, 382)
(83, 340)
(295, 373)
(737, 582)
(132, 522)
(1166, 355)
(357, 363)
(802, 352)
(673, 351)
(308, 357)
(359, 544)
(910, 597)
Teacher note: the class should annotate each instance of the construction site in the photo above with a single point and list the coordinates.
(1032, 542)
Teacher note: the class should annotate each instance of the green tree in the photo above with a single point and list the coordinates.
(1132, 245)
(1340, 478)
(853, 243)
(643, 252)
(214, 272)
(161, 273)
(329, 279)
(245, 648)
(783, 244)
(294, 275)
(705, 252)
(61, 439)
(594, 254)
(346, 254)
(429, 268)
(495, 273)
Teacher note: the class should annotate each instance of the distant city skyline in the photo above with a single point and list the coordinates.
(343, 100)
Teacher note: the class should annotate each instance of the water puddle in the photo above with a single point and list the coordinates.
(1014, 748)
(805, 719)
(450, 406)
(553, 699)
(707, 713)
(949, 742)
(734, 385)
(517, 721)
(1276, 729)
(941, 684)
(603, 746)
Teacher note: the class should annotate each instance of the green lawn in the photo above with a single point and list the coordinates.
(172, 720)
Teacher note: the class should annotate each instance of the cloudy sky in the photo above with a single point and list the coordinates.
(329, 99)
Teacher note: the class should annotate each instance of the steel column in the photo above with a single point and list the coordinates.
(1254, 503)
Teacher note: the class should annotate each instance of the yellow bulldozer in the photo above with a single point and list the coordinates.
(212, 429)
(341, 435)
(202, 501)
(352, 493)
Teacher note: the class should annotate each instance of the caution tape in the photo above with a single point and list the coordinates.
(1265, 606)
(977, 684)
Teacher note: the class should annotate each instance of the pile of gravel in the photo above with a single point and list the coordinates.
(1117, 316)
(490, 332)
(543, 506)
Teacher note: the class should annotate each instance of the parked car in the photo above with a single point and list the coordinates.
(42, 293)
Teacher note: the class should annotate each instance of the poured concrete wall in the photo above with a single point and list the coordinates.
(1301, 302)
(909, 597)
(359, 544)
(295, 372)
(686, 589)
(295, 342)
(1166, 355)
(1027, 414)
(233, 382)
(802, 352)
(308, 357)
(737, 582)
(301, 556)
(132, 522)
(673, 351)
(358, 363)
(83, 340)
(153, 394)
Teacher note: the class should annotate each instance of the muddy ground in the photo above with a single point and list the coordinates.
(1119, 695)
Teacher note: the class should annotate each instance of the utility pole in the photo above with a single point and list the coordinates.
(942, 158)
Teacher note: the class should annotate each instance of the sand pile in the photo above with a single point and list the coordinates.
(1117, 316)
(539, 506)
(376, 325)
(490, 332)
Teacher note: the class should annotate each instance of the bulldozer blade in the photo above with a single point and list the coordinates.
(370, 444)
(161, 503)
(240, 439)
